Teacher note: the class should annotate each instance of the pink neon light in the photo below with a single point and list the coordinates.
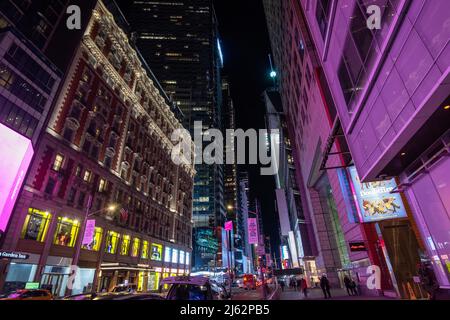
(228, 225)
(16, 155)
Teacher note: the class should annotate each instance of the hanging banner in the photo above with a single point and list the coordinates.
(252, 226)
(228, 225)
(375, 200)
(89, 232)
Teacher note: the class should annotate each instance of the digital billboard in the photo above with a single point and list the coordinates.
(17, 153)
(375, 200)
(252, 231)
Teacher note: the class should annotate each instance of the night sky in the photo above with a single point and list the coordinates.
(246, 46)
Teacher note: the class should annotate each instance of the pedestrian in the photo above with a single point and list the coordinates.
(348, 285)
(282, 285)
(325, 285)
(304, 287)
(353, 287)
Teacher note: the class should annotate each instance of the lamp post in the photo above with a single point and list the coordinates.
(79, 244)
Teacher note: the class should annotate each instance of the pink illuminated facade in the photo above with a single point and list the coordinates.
(391, 90)
(18, 152)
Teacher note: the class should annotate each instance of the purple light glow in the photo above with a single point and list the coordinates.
(17, 153)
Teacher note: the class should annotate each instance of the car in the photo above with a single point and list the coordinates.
(125, 288)
(249, 282)
(125, 296)
(24, 294)
(189, 288)
(220, 290)
(82, 296)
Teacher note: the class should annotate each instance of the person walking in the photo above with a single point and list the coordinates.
(325, 285)
(354, 288)
(304, 287)
(282, 285)
(348, 285)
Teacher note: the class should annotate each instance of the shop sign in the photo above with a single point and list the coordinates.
(375, 200)
(13, 255)
(357, 246)
(17, 152)
(252, 231)
(32, 285)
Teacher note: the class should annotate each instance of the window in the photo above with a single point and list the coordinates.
(57, 164)
(36, 225)
(182, 257)
(87, 176)
(81, 199)
(72, 194)
(144, 250)
(112, 241)
(78, 171)
(102, 185)
(50, 186)
(96, 241)
(66, 232)
(188, 258)
(125, 246)
(156, 254)
(167, 254)
(322, 15)
(135, 247)
(174, 256)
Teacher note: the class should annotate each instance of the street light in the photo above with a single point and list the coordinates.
(273, 74)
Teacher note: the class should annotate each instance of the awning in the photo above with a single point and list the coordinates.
(336, 138)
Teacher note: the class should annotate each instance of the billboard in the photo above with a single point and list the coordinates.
(228, 225)
(252, 231)
(17, 153)
(375, 201)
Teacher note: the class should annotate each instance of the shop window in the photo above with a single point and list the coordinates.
(125, 246)
(156, 254)
(36, 225)
(144, 250)
(182, 257)
(135, 247)
(174, 256)
(167, 254)
(112, 241)
(188, 258)
(66, 232)
(57, 164)
(96, 241)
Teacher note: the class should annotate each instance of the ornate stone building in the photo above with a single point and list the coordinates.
(105, 157)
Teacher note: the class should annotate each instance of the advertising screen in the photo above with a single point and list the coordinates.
(375, 200)
(17, 153)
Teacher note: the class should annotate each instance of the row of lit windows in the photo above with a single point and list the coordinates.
(37, 224)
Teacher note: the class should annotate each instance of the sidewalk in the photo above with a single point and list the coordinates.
(316, 294)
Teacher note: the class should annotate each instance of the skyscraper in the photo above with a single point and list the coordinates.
(179, 41)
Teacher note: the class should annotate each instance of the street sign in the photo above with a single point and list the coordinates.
(13, 255)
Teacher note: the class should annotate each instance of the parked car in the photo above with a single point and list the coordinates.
(190, 288)
(29, 295)
(125, 288)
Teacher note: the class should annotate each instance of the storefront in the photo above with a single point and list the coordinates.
(378, 203)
